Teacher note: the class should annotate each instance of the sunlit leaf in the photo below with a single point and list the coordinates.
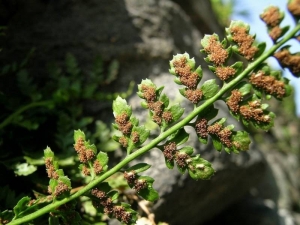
(65, 180)
(91, 147)
(209, 88)
(176, 111)
(165, 99)
(217, 143)
(134, 121)
(113, 195)
(241, 140)
(244, 87)
(24, 169)
(21, 206)
(200, 169)
(265, 126)
(187, 149)
(261, 48)
(78, 134)
(205, 41)
(103, 159)
(120, 106)
(48, 153)
(143, 133)
(238, 66)
(169, 164)
(203, 140)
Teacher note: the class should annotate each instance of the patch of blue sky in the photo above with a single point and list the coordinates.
(258, 27)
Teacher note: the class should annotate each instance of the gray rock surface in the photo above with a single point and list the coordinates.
(273, 200)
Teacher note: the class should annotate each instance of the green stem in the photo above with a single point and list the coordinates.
(162, 136)
(9, 119)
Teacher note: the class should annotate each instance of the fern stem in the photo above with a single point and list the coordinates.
(10, 118)
(154, 142)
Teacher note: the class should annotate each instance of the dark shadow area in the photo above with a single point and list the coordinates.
(259, 206)
(87, 30)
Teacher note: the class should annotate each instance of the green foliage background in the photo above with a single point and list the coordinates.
(37, 114)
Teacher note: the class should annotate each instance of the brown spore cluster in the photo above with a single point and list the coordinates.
(135, 137)
(97, 167)
(117, 211)
(203, 130)
(275, 33)
(124, 123)
(167, 116)
(60, 188)
(130, 176)
(123, 141)
(224, 72)
(254, 111)
(181, 159)
(52, 174)
(272, 18)
(85, 170)
(244, 41)
(286, 59)
(139, 185)
(194, 95)
(84, 154)
(169, 151)
(188, 78)
(156, 106)
(172, 154)
(224, 134)
(201, 127)
(294, 7)
(216, 53)
(269, 84)
(125, 126)
(133, 180)
(233, 101)
(149, 93)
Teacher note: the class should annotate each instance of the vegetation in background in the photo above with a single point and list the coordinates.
(224, 9)
(36, 114)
